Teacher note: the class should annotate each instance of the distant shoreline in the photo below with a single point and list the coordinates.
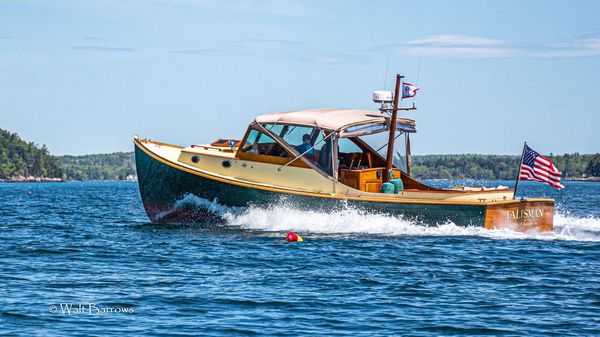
(30, 179)
(588, 179)
(57, 180)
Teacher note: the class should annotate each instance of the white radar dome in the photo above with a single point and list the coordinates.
(383, 96)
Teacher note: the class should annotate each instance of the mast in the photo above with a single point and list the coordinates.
(519, 173)
(393, 121)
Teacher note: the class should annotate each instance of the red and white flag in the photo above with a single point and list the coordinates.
(537, 168)
(409, 90)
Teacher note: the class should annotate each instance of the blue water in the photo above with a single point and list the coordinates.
(66, 245)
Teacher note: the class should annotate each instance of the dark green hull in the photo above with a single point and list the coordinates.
(164, 189)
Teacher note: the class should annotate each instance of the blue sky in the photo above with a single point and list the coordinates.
(84, 76)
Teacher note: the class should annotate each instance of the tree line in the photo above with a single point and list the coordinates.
(19, 158)
(109, 166)
(493, 167)
(117, 166)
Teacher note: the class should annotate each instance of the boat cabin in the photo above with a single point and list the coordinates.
(332, 142)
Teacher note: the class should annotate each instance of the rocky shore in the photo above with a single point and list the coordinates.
(28, 179)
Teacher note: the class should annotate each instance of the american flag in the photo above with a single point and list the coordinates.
(537, 168)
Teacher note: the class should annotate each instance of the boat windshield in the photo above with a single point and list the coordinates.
(308, 141)
(261, 144)
(315, 145)
(302, 138)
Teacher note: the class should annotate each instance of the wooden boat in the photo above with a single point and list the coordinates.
(289, 158)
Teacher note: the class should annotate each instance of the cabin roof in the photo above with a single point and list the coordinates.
(330, 119)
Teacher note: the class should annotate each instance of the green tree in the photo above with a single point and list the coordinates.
(593, 168)
(21, 158)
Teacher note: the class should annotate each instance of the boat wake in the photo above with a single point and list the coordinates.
(282, 217)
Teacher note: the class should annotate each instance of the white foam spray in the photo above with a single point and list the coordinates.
(283, 217)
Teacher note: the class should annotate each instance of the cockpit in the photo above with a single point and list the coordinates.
(350, 149)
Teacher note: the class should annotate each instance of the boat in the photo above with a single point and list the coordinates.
(321, 159)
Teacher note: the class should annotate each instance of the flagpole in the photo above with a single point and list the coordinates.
(519, 173)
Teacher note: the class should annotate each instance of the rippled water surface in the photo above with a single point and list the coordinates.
(82, 259)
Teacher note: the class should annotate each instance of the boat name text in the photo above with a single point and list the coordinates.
(525, 213)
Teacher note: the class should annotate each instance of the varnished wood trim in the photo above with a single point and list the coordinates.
(520, 215)
(270, 159)
(243, 141)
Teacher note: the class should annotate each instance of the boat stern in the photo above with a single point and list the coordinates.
(525, 215)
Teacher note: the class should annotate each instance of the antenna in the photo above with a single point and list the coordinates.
(417, 81)
(418, 72)
(385, 78)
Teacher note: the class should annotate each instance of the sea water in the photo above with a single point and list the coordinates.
(82, 259)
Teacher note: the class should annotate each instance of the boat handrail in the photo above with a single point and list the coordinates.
(211, 147)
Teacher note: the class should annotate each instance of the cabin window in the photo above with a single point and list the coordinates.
(260, 143)
(379, 143)
(400, 148)
(348, 146)
(351, 156)
(364, 130)
(306, 140)
(275, 128)
(302, 138)
(296, 135)
(309, 142)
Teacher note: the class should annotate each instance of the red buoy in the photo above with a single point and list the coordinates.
(293, 237)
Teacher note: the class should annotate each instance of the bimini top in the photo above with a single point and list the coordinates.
(329, 119)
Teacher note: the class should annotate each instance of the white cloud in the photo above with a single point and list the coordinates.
(459, 52)
(436, 46)
(454, 40)
(575, 48)
(463, 46)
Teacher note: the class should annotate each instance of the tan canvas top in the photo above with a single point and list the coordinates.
(330, 119)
